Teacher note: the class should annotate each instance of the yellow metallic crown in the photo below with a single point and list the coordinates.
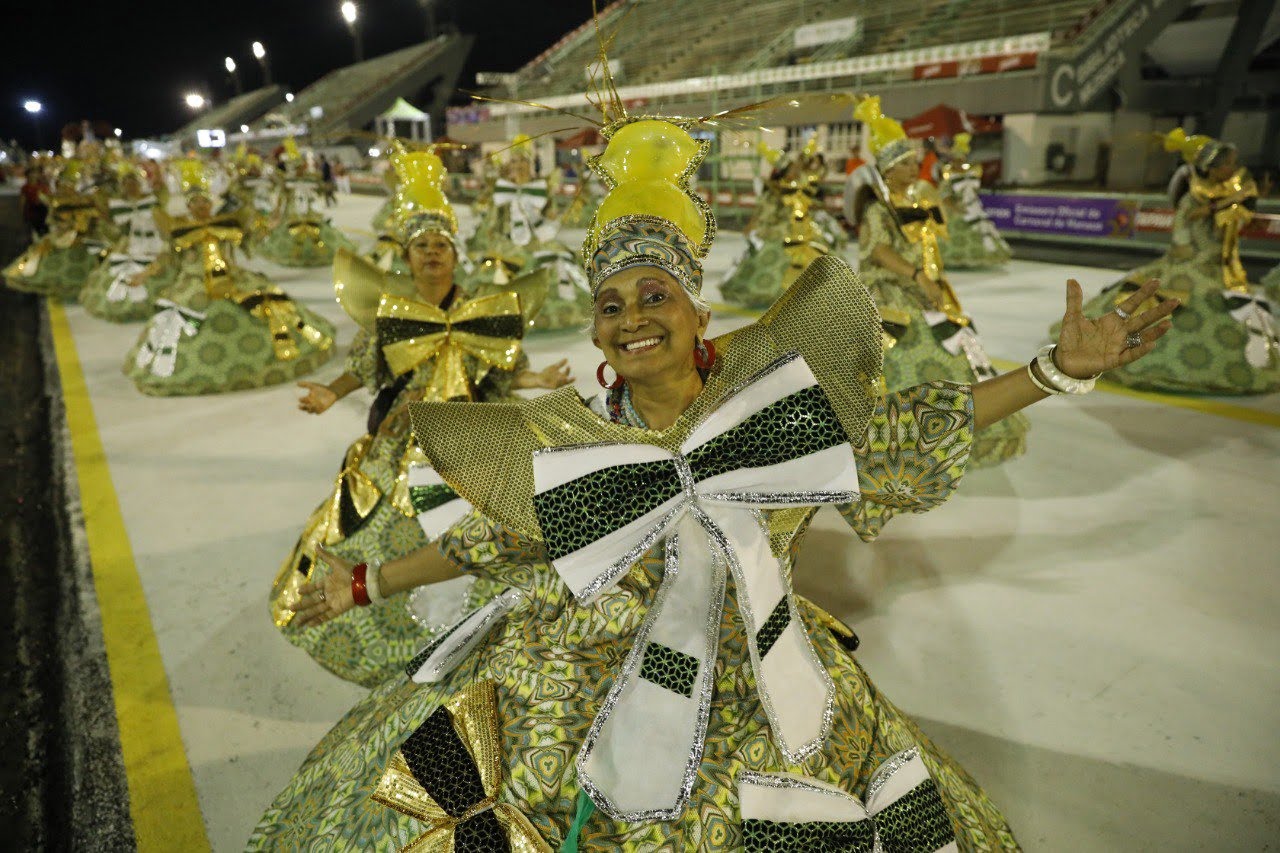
(884, 130)
(419, 196)
(961, 143)
(1189, 147)
(647, 165)
(193, 177)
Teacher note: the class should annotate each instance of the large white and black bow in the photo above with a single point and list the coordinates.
(170, 323)
(776, 443)
(527, 204)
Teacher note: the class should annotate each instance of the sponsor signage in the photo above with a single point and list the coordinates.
(825, 32)
(980, 65)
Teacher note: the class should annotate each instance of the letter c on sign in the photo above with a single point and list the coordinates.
(1063, 77)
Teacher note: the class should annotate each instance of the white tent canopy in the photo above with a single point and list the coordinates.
(402, 111)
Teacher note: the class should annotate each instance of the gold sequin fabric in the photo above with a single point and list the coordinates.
(553, 660)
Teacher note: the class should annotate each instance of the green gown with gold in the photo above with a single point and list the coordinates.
(222, 327)
(59, 263)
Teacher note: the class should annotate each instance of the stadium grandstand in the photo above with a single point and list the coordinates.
(346, 101)
(1065, 75)
(240, 110)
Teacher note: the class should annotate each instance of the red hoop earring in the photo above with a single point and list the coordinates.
(704, 355)
(617, 383)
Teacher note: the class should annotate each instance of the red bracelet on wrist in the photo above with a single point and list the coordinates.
(359, 589)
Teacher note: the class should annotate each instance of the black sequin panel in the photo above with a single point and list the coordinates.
(439, 760)
(421, 657)
(425, 498)
(917, 821)
(481, 834)
(773, 627)
(395, 329)
(767, 836)
(585, 509)
(669, 668)
(795, 426)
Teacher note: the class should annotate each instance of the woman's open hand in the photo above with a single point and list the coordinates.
(320, 601)
(318, 399)
(1088, 347)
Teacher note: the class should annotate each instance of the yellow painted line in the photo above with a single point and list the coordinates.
(1203, 405)
(162, 792)
(1196, 404)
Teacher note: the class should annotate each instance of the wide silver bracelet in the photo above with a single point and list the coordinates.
(373, 582)
(1056, 381)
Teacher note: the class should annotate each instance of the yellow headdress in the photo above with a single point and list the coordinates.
(1198, 151)
(521, 146)
(649, 217)
(889, 141)
(71, 171)
(291, 151)
(420, 202)
(770, 155)
(193, 178)
(810, 146)
(960, 144)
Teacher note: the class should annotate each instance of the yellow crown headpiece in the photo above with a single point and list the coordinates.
(291, 149)
(1198, 150)
(193, 178)
(770, 155)
(521, 146)
(650, 216)
(420, 202)
(810, 147)
(72, 171)
(961, 143)
(889, 143)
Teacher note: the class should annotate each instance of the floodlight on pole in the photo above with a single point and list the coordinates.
(231, 72)
(119, 133)
(288, 96)
(195, 100)
(260, 54)
(34, 108)
(351, 14)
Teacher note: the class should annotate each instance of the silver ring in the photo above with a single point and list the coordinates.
(1124, 315)
(322, 593)
(1133, 341)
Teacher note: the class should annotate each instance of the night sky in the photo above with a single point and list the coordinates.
(129, 62)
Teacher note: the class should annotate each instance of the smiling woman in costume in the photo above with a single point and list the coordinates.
(927, 334)
(649, 680)
(1225, 338)
(420, 338)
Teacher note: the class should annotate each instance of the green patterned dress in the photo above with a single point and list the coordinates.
(107, 293)
(915, 352)
(973, 242)
(1218, 344)
(221, 327)
(552, 661)
(370, 516)
(303, 237)
(59, 263)
(775, 255)
(1271, 285)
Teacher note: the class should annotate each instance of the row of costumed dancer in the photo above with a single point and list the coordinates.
(575, 615)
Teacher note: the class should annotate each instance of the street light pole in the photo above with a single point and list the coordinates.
(235, 78)
(351, 14)
(34, 108)
(260, 53)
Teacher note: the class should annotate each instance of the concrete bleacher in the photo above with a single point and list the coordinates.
(672, 39)
(351, 97)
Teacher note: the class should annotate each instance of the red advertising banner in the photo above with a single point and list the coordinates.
(982, 65)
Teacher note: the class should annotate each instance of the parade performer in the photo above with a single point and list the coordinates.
(300, 235)
(1224, 338)
(973, 241)
(59, 263)
(927, 334)
(139, 267)
(421, 338)
(221, 327)
(649, 680)
(514, 238)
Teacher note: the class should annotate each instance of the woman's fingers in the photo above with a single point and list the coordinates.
(1075, 297)
(1139, 296)
(1150, 317)
(1149, 338)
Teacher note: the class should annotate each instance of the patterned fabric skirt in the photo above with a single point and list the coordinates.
(968, 248)
(1208, 350)
(222, 347)
(762, 273)
(59, 273)
(550, 675)
(107, 294)
(303, 249)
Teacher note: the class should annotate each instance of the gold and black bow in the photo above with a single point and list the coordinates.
(488, 329)
(1231, 202)
(304, 229)
(281, 316)
(449, 775)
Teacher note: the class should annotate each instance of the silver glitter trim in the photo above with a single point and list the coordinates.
(685, 280)
(706, 675)
(885, 771)
(801, 753)
(623, 564)
(502, 605)
(735, 390)
(419, 593)
(771, 780)
(783, 498)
